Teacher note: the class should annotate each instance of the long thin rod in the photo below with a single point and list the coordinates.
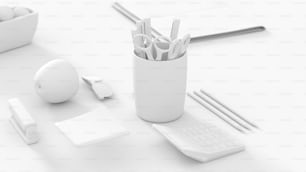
(220, 110)
(214, 112)
(132, 17)
(229, 34)
(229, 109)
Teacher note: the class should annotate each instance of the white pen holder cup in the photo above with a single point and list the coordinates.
(160, 88)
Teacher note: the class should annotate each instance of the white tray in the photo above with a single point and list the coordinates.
(17, 32)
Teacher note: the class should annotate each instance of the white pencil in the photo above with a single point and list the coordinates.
(174, 29)
(147, 27)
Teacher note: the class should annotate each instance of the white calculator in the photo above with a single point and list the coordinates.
(200, 141)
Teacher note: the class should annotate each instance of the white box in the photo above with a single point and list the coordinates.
(18, 31)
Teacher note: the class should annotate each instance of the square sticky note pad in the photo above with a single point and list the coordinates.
(92, 127)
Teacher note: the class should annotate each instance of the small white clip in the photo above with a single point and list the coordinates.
(23, 122)
(100, 88)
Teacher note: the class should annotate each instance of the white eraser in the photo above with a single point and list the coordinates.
(23, 122)
(101, 89)
(92, 127)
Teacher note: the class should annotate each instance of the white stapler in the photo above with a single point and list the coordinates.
(101, 89)
(23, 121)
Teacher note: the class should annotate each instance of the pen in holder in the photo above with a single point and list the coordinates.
(160, 88)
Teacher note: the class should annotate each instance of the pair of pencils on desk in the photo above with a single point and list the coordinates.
(222, 111)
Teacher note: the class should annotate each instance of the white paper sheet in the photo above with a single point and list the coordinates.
(92, 127)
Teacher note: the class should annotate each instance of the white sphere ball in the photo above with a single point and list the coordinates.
(57, 81)
(6, 13)
(21, 11)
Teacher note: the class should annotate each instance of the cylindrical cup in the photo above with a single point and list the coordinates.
(159, 88)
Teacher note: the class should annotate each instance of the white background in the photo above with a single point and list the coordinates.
(260, 75)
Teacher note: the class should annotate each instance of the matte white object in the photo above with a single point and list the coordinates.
(57, 81)
(161, 49)
(23, 122)
(200, 141)
(92, 127)
(18, 31)
(101, 89)
(175, 49)
(159, 88)
(6, 13)
(146, 49)
(147, 27)
(175, 29)
(185, 42)
(21, 11)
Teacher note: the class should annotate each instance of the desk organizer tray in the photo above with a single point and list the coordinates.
(18, 31)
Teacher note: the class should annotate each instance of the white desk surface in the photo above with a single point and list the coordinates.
(260, 75)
